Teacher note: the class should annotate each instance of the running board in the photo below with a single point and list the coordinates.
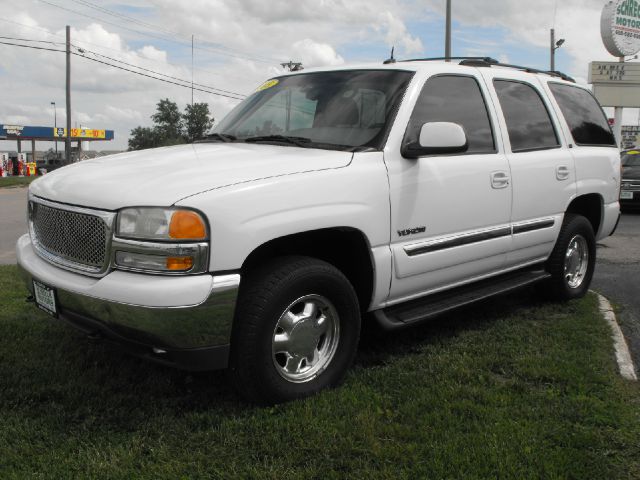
(416, 311)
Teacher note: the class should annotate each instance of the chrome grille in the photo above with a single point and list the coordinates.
(633, 185)
(72, 237)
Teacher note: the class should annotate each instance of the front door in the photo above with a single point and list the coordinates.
(449, 213)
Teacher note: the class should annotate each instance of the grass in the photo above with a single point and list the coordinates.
(15, 181)
(511, 388)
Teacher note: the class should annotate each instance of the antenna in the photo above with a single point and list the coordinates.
(390, 59)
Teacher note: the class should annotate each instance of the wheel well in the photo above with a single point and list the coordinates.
(590, 207)
(345, 248)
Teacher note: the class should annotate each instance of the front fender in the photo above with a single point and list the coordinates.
(245, 216)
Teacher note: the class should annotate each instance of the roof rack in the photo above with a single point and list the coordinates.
(432, 59)
(490, 62)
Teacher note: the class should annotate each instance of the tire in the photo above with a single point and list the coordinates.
(296, 330)
(572, 260)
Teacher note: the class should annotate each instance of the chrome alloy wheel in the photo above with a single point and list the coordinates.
(576, 261)
(305, 339)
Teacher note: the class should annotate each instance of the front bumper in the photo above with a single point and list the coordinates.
(181, 321)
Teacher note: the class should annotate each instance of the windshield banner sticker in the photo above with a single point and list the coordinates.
(267, 84)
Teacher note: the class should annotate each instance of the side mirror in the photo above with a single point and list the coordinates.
(435, 138)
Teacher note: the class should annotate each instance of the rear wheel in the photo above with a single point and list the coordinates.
(573, 259)
(296, 330)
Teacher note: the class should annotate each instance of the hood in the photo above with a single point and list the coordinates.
(631, 173)
(162, 176)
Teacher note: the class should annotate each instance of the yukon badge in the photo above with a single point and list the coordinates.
(411, 231)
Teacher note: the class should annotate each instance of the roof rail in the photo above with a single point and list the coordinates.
(490, 62)
(553, 73)
(433, 59)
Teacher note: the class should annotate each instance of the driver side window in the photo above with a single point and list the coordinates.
(457, 99)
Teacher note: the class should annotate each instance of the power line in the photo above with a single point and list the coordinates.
(31, 40)
(157, 27)
(125, 17)
(31, 46)
(184, 85)
(155, 78)
(47, 32)
(158, 37)
(158, 73)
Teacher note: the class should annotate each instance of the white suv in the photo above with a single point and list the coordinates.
(402, 190)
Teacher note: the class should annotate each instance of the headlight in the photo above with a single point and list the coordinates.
(161, 224)
(161, 240)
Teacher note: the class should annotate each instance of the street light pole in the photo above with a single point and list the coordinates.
(55, 126)
(553, 45)
(67, 140)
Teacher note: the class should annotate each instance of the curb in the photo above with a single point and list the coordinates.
(623, 356)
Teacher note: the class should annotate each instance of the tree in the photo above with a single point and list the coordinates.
(143, 137)
(197, 120)
(170, 127)
(168, 123)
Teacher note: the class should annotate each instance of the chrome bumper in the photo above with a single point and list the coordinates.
(166, 317)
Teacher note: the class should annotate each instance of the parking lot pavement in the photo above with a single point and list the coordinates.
(617, 277)
(13, 221)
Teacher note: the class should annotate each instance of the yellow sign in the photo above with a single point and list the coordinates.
(79, 133)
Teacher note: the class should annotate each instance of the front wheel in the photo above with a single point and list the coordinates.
(573, 259)
(296, 330)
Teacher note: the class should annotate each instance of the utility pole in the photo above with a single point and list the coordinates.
(191, 113)
(67, 140)
(447, 39)
(55, 126)
(192, 71)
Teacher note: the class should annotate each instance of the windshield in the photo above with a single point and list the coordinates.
(631, 159)
(332, 110)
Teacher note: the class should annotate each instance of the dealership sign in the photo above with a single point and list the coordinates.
(620, 27)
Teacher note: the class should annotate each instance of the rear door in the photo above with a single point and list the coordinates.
(542, 169)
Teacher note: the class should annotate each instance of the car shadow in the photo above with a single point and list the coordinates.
(90, 375)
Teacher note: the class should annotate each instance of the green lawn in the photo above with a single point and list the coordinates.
(508, 389)
(15, 181)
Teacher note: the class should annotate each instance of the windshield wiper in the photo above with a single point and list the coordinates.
(223, 137)
(298, 141)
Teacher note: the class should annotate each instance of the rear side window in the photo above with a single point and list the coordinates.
(457, 99)
(528, 121)
(584, 116)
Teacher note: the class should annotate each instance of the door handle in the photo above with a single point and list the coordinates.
(562, 172)
(499, 180)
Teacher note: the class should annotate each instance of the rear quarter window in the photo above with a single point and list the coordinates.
(586, 120)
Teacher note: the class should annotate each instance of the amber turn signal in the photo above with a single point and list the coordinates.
(187, 225)
(179, 263)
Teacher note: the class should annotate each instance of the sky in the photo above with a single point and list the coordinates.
(240, 43)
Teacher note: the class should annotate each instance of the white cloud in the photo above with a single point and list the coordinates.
(314, 54)
(398, 36)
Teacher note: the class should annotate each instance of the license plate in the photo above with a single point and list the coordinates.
(626, 195)
(45, 298)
